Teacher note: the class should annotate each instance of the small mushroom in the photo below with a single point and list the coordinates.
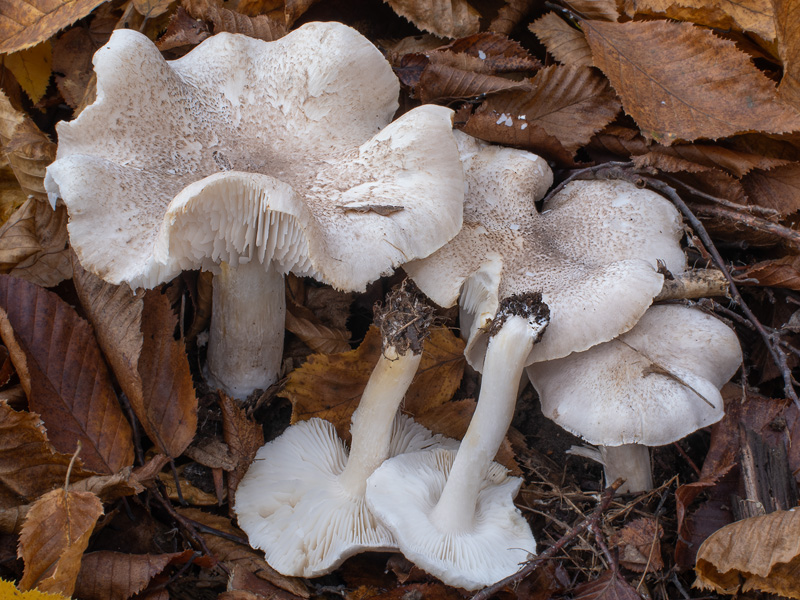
(650, 386)
(578, 274)
(252, 159)
(302, 500)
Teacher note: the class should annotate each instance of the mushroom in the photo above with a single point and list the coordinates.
(252, 159)
(302, 500)
(580, 273)
(650, 386)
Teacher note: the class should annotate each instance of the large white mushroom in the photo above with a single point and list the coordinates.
(302, 500)
(590, 257)
(651, 386)
(253, 159)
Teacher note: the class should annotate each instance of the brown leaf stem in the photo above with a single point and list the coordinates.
(587, 523)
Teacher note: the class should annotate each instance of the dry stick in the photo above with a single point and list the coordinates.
(605, 501)
(751, 222)
(766, 212)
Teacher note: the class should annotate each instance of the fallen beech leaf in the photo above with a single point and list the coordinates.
(763, 551)
(108, 575)
(49, 264)
(190, 493)
(243, 436)
(567, 44)
(780, 273)
(734, 162)
(302, 322)
(55, 535)
(9, 590)
(32, 68)
(241, 556)
(777, 188)
(787, 23)
(242, 580)
(27, 149)
(609, 586)
(599, 10)
(18, 239)
(429, 591)
(639, 544)
(445, 18)
(740, 15)
(498, 53)
(25, 24)
(72, 63)
(440, 81)
(223, 19)
(29, 466)
(568, 103)
(182, 30)
(674, 80)
(67, 380)
(330, 386)
(510, 15)
(11, 194)
(152, 8)
(294, 9)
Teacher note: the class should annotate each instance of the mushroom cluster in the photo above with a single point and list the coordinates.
(253, 159)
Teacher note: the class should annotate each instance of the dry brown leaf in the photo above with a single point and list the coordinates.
(182, 30)
(777, 188)
(787, 22)
(243, 436)
(29, 465)
(675, 81)
(734, 162)
(189, 494)
(49, 264)
(568, 103)
(28, 150)
(609, 586)
(32, 68)
(510, 15)
(25, 23)
(599, 10)
(763, 551)
(330, 386)
(260, 27)
(440, 82)
(67, 381)
(243, 581)
(780, 273)
(294, 9)
(498, 53)
(567, 44)
(55, 535)
(639, 544)
(445, 18)
(241, 556)
(109, 575)
(152, 8)
(18, 239)
(72, 63)
(6, 366)
(11, 194)
(302, 322)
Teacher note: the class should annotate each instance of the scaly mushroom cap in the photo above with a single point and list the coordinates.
(404, 490)
(292, 506)
(592, 252)
(249, 150)
(653, 385)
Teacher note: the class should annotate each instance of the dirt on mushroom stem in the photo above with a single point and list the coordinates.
(405, 319)
(529, 306)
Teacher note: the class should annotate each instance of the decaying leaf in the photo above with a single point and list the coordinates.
(55, 535)
(29, 466)
(223, 19)
(445, 18)
(9, 590)
(675, 81)
(32, 68)
(67, 381)
(609, 586)
(600, 10)
(182, 30)
(780, 273)
(11, 194)
(25, 24)
(787, 23)
(302, 322)
(510, 15)
(242, 556)
(567, 44)
(569, 104)
(777, 188)
(330, 386)
(243, 436)
(72, 63)
(152, 8)
(759, 553)
(639, 544)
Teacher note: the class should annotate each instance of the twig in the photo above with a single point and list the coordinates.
(605, 501)
(766, 212)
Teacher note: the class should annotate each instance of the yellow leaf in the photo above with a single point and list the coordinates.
(8, 591)
(32, 68)
(763, 552)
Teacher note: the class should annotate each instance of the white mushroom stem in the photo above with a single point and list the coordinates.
(630, 462)
(372, 421)
(505, 358)
(245, 344)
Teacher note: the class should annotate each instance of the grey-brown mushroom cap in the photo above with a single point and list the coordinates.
(653, 385)
(403, 491)
(592, 252)
(305, 116)
(292, 506)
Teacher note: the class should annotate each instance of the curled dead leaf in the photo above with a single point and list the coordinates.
(25, 24)
(445, 18)
(567, 44)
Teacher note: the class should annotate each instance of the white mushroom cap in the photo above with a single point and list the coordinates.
(592, 252)
(289, 135)
(653, 385)
(292, 505)
(403, 492)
